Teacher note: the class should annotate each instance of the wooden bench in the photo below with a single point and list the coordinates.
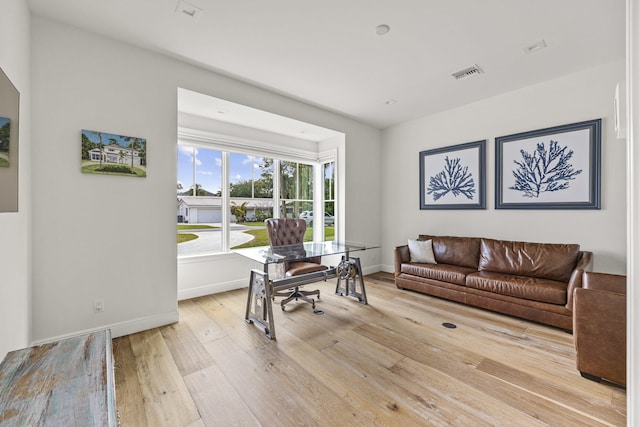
(63, 383)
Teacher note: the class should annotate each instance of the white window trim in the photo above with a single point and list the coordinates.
(227, 144)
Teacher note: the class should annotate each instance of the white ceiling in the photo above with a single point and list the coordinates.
(327, 53)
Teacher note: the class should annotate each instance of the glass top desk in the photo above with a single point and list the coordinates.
(262, 287)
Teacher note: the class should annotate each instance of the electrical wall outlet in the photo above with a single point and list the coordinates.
(98, 305)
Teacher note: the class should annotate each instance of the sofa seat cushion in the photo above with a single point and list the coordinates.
(531, 288)
(442, 272)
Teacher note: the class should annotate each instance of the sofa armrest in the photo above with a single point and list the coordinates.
(605, 282)
(599, 331)
(401, 255)
(585, 263)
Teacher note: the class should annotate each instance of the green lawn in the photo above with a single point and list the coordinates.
(3, 163)
(260, 237)
(194, 227)
(93, 168)
(185, 237)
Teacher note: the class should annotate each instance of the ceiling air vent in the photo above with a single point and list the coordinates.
(471, 71)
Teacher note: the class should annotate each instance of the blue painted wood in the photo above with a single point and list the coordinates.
(64, 383)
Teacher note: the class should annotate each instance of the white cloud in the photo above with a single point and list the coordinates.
(247, 160)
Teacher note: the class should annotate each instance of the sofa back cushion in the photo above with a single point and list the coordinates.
(460, 251)
(542, 260)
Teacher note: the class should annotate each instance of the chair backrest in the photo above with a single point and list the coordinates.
(285, 231)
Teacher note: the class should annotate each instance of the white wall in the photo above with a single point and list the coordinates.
(581, 96)
(15, 227)
(633, 213)
(114, 237)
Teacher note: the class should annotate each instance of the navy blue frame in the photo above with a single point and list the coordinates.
(595, 136)
(482, 161)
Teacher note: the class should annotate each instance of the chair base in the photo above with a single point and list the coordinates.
(297, 294)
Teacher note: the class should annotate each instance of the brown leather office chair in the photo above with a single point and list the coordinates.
(600, 327)
(289, 232)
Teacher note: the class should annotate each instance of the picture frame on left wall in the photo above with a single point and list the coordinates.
(453, 177)
(110, 154)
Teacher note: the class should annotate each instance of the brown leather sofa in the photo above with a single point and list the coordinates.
(600, 327)
(533, 281)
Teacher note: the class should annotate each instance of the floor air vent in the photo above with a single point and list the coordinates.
(473, 70)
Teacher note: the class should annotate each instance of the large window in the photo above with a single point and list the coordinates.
(218, 211)
(329, 189)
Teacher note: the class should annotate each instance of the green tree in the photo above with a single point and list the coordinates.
(199, 191)
(4, 137)
(135, 145)
(87, 145)
(240, 211)
(240, 189)
(101, 148)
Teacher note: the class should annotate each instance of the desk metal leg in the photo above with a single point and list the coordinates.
(350, 271)
(259, 308)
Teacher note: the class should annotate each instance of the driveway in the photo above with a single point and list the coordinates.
(210, 240)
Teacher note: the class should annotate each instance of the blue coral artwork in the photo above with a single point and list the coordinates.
(543, 170)
(553, 168)
(453, 177)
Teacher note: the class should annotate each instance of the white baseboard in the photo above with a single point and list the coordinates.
(371, 269)
(387, 268)
(123, 328)
(215, 288)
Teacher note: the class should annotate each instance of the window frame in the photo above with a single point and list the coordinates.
(227, 145)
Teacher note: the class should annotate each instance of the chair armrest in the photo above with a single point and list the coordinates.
(401, 255)
(585, 263)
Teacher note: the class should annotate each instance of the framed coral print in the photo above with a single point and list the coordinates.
(453, 177)
(553, 168)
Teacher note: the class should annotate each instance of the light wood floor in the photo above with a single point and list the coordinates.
(387, 363)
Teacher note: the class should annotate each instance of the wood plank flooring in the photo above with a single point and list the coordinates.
(389, 363)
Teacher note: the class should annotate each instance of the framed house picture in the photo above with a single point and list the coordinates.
(552, 168)
(453, 177)
(110, 154)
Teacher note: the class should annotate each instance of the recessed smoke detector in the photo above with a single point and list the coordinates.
(382, 29)
(188, 10)
(534, 47)
(390, 101)
(471, 71)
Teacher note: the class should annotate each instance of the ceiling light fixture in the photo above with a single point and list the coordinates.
(189, 10)
(382, 29)
(534, 47)
(390, 101)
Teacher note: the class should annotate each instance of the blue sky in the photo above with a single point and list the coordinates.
(106, 138)
(209, 167)
(3, 121)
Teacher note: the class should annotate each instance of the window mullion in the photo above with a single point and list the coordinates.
(276, 188)
(225, 203)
